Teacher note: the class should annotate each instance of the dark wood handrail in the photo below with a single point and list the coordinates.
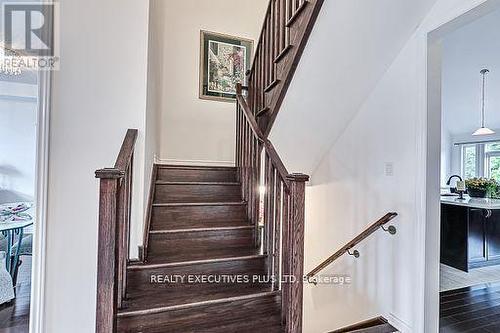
(275, 158)
(277, 199)
(358, 239)
(115, 202)
(123, 159)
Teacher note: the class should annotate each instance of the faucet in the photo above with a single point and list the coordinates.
(454, 189)
(454, 176)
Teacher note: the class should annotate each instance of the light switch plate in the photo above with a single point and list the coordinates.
(389, 169)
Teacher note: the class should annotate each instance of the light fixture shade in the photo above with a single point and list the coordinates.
(483, 131)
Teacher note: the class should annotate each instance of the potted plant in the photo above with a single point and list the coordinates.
(480, 187)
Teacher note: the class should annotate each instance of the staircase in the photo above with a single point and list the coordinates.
(199, 229)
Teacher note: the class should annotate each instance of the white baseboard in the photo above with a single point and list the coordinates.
(399, 324)
(171, 161)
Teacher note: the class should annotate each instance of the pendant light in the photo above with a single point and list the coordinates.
(483, 130)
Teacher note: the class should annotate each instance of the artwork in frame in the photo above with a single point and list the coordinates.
(223, 63)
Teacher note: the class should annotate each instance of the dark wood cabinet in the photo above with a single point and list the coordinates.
(477, 235)
(470, 237)
(493, 235)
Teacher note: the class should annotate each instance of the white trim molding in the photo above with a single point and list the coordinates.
(41, 194)
(171, 161)
(400, 325)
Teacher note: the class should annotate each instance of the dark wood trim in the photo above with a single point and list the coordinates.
(262, 112)
(107, 290)
(249, 117)
(282, 54)
(147, 222)
(297, 13)
(358, 239)
(296, 251)
(115, 202)
(272, 85)
(123, 159)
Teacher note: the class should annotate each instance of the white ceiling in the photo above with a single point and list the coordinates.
(352, 45)
(465, 52)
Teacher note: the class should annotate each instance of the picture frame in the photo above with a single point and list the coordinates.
(224, 61)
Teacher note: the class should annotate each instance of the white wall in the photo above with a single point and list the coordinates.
(192, 129)
(349, 190)
(18, 107)
(99, 92)
(465, 52)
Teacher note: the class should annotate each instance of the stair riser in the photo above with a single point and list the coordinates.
(142, 279)
(199, 241)
(197, 175)
(184, 217)
(208, 318)
(197, 193)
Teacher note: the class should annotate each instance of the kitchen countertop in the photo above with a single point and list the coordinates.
(484, 203)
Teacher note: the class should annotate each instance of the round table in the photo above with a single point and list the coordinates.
(10, 230)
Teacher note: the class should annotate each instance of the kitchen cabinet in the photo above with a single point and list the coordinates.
(470, 233)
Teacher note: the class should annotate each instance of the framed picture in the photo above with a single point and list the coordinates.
(223, 63)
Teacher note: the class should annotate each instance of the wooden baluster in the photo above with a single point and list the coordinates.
(128, 219)
(250, 177)
(270, 217)
(277, 34)
(258, 177)
(296, 251)
(107, 259)
(237, 153)
(266, 202)
(285, 254)
(120, 236)
(277, 233)
(270, 48)
(289, 10)
(262, 60)
(245, 167)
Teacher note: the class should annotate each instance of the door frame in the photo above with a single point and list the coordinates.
(37, 304)
(432, 156)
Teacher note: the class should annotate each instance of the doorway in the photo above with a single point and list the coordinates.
(462, 55)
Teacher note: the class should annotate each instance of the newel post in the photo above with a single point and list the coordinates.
(107, 289)
(296, 251)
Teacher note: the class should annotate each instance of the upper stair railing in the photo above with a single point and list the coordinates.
(285, 32)
(277, 198)
(350, 245)
(115, 200)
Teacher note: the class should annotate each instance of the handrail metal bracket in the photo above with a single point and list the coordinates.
(391, 229)
(355, 253)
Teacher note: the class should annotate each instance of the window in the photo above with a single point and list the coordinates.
(481, 160)
(492, 161)
(469, 165)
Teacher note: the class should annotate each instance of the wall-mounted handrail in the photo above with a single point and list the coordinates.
(350, 245)
(115, 201)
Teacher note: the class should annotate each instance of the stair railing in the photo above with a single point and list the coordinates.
(115, 199)
(277, 198)
(285, 32)
(353, 243)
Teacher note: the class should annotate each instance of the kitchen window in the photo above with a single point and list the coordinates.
(481, 160)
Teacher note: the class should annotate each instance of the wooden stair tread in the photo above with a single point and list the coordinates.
(197, 224)
(237, 316)
(183, 256)
(159, 301)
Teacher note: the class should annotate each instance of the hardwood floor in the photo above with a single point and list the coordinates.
(472, 309)
(14, 318)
